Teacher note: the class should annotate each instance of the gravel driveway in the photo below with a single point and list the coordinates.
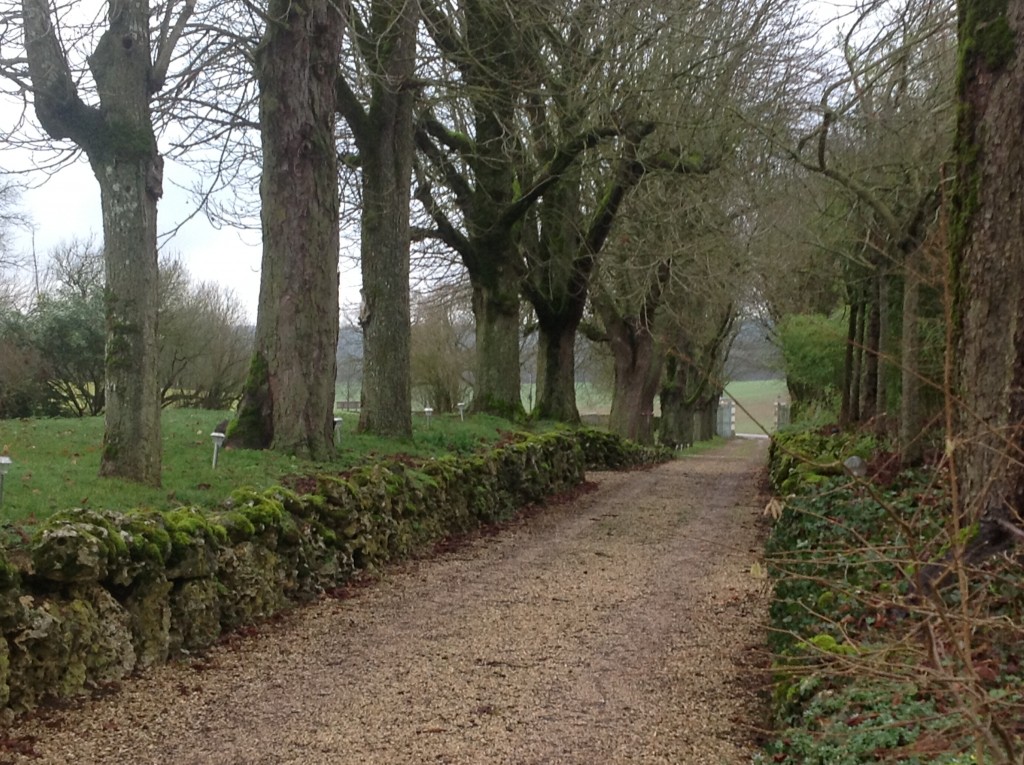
(623, 626)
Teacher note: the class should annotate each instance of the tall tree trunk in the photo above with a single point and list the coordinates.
(496, 386)
(987, 242)
(637, 371)
(556, 368)
(858, 363)
(676, 426)
(131, 437)
(288, 401)
(119, 141)
(384, 136)
(845, 409)
(911, 408)
(869, 389)
(707, 418)
(885, 350)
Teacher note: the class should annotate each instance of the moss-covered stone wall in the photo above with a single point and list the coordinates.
(97, 594)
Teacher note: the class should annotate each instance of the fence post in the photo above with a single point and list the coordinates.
(781, 415)
(726, 421)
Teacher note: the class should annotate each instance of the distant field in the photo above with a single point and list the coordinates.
(755, 404)
(756, 397)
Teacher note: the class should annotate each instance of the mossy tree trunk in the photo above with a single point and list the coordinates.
(987, 248)
(288, 401)
(637, 365)
(556, 364)
(676, 425)
(497, 371)
(118, 138)
(384, 135)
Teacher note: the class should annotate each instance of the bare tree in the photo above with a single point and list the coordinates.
(105, 110)
(375, 96)
(883, 132)
(441, 357)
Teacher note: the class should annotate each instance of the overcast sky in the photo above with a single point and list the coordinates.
(67, 206)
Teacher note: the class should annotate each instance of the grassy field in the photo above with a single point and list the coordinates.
(755, 411)
(755, 404)
(56, 461)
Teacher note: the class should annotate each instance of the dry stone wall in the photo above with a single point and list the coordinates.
(96, 595)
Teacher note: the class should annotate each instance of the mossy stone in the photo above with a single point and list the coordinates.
(79, 546)
(195, 615)
(196, 539)
(253, 582)
(149, 610)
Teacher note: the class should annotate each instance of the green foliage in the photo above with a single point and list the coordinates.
(22, 368)
(801, 458)
(861, 722)
(852, 684)
(813, 347)
(69, 333)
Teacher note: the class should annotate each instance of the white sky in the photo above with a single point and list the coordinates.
(67, 206)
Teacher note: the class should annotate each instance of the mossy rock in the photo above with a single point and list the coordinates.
(66, 643)
(148, 539)
(262, 514)
(254, 581)
(38, 654)
(195, 615)
(149, 611)
(80, 546)
(316, 563)
(103, 638)
(196, 540)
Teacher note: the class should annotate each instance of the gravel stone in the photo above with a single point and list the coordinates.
(623, 626)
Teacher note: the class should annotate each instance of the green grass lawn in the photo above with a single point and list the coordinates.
(56, 461)
(755, 410)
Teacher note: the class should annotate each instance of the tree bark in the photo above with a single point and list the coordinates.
(384, 256)
(637, 371)
(987, 242)
(556, 367)
(911, 407)
(384, 135)
(676, 426)
(118, 138)
(872, 332)
(846, 407)
(288, 402)
(496, 382)
(858, 363)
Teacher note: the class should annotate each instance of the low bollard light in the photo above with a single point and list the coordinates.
(5, 465)
(218, 441)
